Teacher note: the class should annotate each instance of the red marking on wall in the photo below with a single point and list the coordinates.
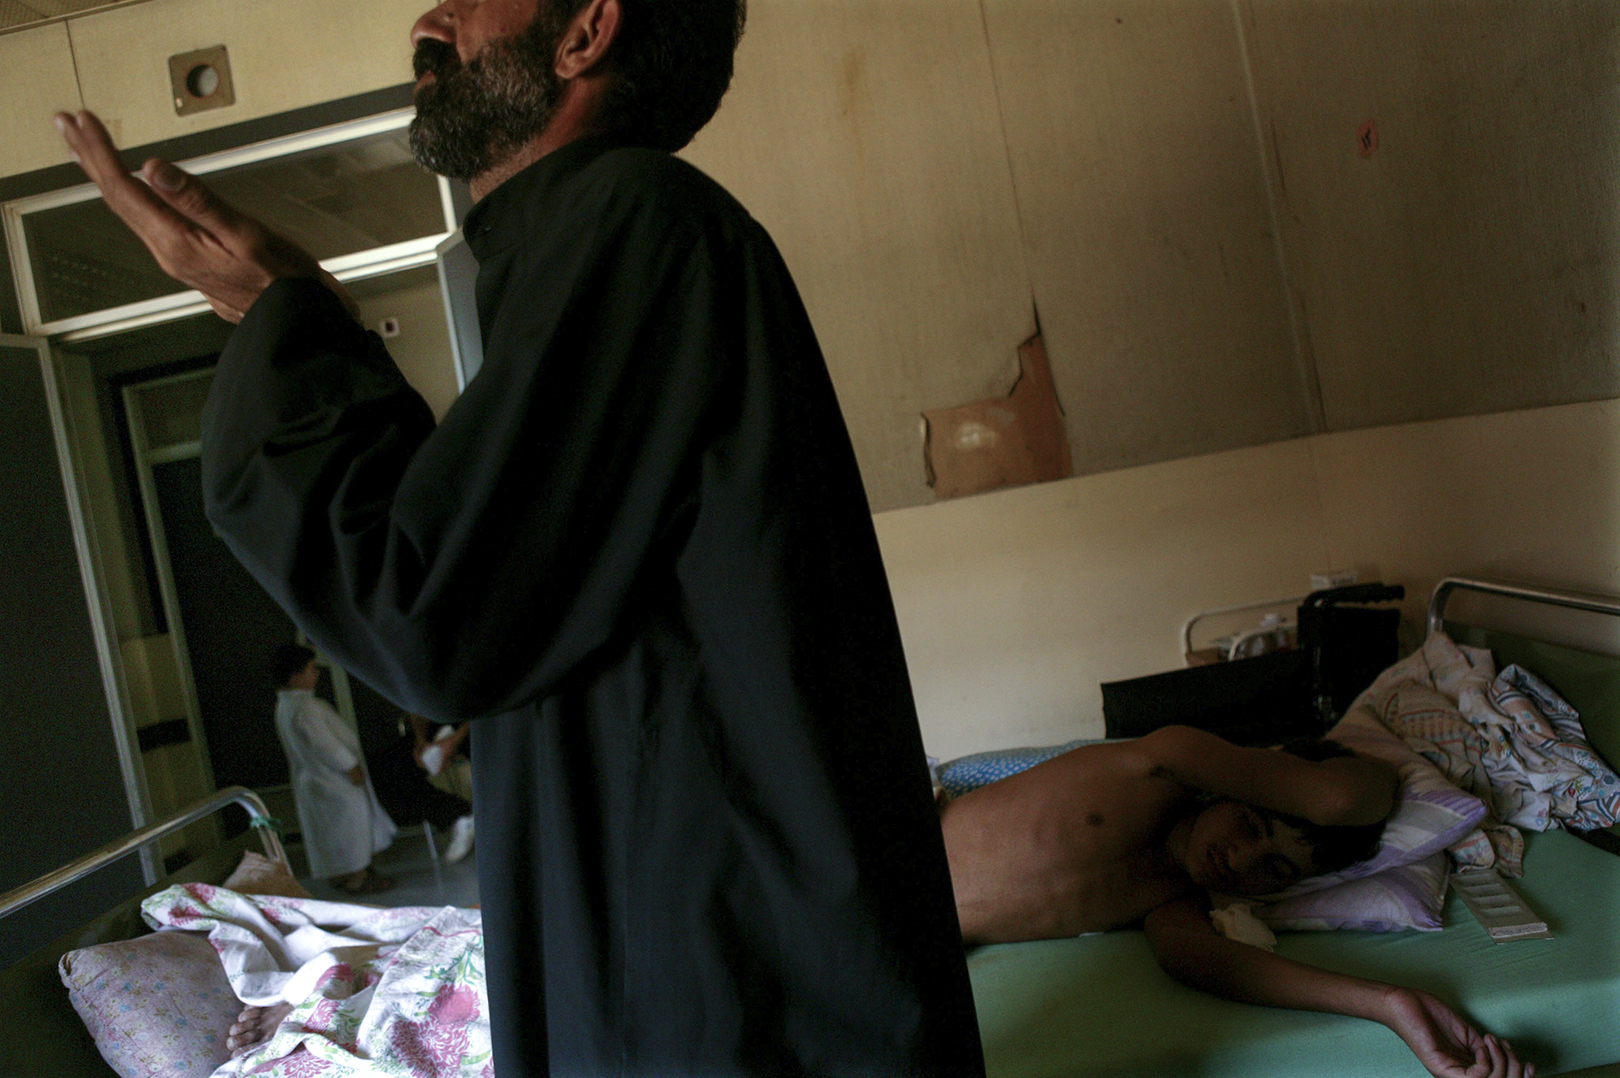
(1367, 138)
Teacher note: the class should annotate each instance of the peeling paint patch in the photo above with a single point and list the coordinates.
(1002, 442)
(975, 435)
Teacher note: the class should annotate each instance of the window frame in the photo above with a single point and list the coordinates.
(358, 265)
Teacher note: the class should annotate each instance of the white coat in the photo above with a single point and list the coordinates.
(343, 824)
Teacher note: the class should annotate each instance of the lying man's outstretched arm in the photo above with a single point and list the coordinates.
(1344, 791)
(1190, 950)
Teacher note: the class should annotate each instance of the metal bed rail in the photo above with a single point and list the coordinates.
(1238, 608)
(1574, 600)
(38, 888)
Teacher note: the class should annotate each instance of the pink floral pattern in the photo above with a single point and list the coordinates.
(320, 1020)
(431, 1049)
(185, 916)
(340, 971)
(454, 1006)
(303, 1065)
(299, 1064)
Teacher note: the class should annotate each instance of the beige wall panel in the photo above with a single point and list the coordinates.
(1527, 495)
(1468, 264)
(143, 704)
(38, 81)
(1148, 228)
(284, 55)
(422, 349)
(863, 134)
(1015, 606)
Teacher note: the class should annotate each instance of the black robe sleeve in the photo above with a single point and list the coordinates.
(393, 543)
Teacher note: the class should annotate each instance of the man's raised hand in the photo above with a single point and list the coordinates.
(195, 237)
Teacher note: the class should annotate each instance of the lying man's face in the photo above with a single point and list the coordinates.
(1235, 849)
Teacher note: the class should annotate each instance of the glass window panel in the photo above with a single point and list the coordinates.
(334, 200)
(84, 259)
(341, 199)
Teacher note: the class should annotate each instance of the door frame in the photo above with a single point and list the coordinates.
(146, 458)
(96, 599)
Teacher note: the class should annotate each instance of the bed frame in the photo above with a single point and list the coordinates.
(1100, 1007)
(44, 1035)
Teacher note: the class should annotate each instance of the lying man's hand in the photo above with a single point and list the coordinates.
(1446, 1044)
(196, 238)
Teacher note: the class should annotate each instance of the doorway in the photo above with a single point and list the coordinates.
(134, 356)
(200, 613)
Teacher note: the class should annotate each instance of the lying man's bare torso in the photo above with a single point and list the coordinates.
(1079, 843)
(1103, 835)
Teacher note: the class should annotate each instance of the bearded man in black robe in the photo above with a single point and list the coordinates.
(636, 552)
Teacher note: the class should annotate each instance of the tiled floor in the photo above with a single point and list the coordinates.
(419, 880)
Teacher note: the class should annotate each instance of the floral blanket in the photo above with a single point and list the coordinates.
(374, 991)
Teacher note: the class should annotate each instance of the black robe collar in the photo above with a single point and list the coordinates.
(506, 215)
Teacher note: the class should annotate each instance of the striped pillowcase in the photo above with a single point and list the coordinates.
(1406, 896)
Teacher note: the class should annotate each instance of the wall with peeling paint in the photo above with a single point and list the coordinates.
(1219, 258)
(1240, 221)
(1244, 224)
(1016, 605)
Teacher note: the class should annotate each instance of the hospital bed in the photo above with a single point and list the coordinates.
(41, 1036)
(1099, 1006)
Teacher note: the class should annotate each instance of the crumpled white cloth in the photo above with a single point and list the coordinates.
(1238, 922)
(1509, 739)
(374, 991)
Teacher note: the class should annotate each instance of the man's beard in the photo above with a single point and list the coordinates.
(473, 116)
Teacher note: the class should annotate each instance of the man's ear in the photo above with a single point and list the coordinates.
(589, 38)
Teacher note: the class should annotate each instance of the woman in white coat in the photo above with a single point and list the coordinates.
(338, 813)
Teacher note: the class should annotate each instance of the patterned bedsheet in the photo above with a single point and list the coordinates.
(374, 991)
(1507, 738)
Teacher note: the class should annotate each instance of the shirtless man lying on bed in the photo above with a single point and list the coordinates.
(1141, 832)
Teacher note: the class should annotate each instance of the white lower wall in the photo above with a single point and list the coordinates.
(1015, 605)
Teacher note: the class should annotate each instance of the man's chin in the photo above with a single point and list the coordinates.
(432, 156)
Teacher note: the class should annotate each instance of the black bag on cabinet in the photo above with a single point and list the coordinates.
(1282, 694)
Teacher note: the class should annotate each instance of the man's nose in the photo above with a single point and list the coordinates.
(438, 23)
(1243, 853)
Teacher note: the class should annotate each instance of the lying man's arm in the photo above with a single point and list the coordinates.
(1190, 950)
(1344, 791)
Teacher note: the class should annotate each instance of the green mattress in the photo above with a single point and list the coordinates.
(1099, 1005)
